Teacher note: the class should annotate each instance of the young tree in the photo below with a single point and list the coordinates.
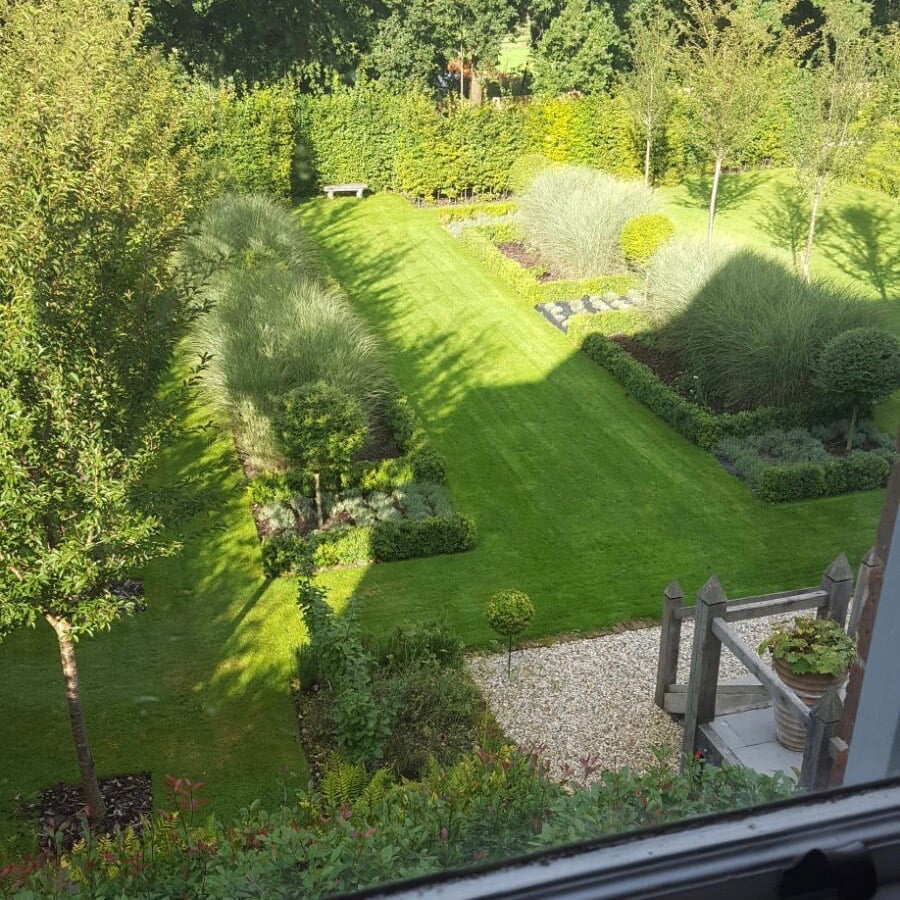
(576, 50)
(834, 104)
(509, 613)
(647, 88)
(94, 191)
(727, 68)
(321, 428)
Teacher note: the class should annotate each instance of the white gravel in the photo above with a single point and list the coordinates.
(593, 697)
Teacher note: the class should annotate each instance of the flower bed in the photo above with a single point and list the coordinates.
(389, 509)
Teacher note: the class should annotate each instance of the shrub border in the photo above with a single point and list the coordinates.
(480, 241)
(861, 471)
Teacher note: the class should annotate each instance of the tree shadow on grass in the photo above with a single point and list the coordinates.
(784, 219)
(863, 242)
(734, 189)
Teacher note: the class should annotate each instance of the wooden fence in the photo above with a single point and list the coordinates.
(702, 698)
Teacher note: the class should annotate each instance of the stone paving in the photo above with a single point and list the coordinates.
(559, 312)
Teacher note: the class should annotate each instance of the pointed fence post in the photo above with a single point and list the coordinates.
(704, 678)
(815, 771)
(669, 641)
(861, 592)
(837, 582)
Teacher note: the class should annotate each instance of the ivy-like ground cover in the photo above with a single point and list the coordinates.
(583, 498)
(196, 684)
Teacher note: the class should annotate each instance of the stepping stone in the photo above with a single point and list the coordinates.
(609, 296)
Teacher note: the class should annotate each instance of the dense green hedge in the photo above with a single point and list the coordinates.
(480, 241)
(698, 425)
(860, 471)
(382, 542)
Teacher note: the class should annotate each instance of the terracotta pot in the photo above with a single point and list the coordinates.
(790, 729)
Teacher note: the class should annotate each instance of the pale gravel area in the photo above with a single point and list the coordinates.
(594, 696)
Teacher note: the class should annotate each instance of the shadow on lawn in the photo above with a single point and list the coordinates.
(862, 241)
(734, 189)
(784, 219)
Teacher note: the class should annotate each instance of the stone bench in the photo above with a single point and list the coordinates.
(332, 189)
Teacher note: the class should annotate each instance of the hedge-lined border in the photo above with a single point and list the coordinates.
(860, 471)
(481, 240)
(463, 211)
(382, 542)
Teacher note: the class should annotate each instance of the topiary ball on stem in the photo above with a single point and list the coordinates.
(508, 613)
(643, 235)
(856, 368)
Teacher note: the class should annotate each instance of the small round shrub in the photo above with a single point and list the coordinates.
(643, 235)
(509, 612)
(859, 366)
(320, 427)
(524, 169)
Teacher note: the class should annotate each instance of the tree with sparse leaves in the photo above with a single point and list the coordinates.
(727, 62)
(838, 102)
(96, 182)
(647, 87)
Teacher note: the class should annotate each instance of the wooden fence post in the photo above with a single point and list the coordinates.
(704, 678)
(837, 582)
(669, 641)
(861, 591)
(815, 771)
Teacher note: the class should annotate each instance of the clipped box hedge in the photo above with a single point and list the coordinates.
(698, 425)
(481, 241)
(383, 542)
(862, 470)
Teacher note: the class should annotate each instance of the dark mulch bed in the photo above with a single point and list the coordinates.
(315, 727)
(60, 809)
(528, 259)
(131, 589)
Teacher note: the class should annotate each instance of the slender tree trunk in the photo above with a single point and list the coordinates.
(96, 808)
(851, 430)
(647, 159)
(319, 500)
(712, 200)
(811, 232)
(476, 87)
(462, 75)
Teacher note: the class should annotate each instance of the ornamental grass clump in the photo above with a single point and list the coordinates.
(573, 217)
(509, 613)
(811, 647)
(752, 332)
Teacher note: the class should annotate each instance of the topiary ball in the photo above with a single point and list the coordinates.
(643, 235)
(858, 366)
(509, 612)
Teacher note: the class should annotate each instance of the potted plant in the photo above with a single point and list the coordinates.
(812, 657)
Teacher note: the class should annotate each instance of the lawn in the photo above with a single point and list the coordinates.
(583, 498)
(195, 685)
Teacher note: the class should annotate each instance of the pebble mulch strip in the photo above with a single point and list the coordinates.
(593, 697)
(558, 313)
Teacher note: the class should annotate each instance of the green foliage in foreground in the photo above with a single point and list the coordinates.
(358, 833)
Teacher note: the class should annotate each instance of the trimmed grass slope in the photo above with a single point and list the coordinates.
(583, 498)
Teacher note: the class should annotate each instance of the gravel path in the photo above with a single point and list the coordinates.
(594, 697)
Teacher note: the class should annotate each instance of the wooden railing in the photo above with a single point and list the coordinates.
(703, 695)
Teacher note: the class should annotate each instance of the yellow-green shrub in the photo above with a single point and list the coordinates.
(643, 235)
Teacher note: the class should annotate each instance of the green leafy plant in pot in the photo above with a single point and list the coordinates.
(812, 657)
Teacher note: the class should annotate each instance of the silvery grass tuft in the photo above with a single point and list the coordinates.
(574, 216)
(747, 327)
(272, 323)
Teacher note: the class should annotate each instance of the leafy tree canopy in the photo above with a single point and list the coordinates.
(577, 50)
(252, 41)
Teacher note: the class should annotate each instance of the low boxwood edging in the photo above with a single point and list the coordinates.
(698, 425)
(463, 211)
(382, 542)
(481, 242)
